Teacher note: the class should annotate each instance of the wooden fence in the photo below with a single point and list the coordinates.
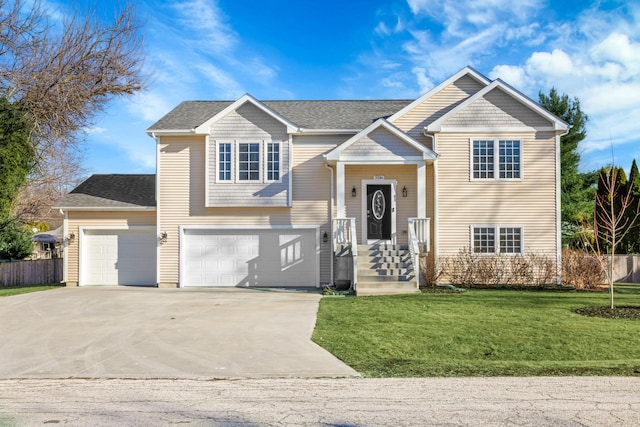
(626, 268)
(32, 272)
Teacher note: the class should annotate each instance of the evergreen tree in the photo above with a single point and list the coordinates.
(631, 242)
(17, 157)
(576, 188)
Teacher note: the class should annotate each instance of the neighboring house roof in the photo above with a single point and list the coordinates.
(348, 115)
(113, 191)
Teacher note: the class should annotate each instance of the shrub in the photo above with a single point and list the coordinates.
(582, 270)
(468, 269)
(15, 243)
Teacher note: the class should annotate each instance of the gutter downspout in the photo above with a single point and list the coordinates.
(157, 196)
(331, 220)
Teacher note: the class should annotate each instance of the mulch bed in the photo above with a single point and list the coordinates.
(621, 312)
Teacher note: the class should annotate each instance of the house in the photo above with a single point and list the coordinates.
(47, 244)
(278, 193)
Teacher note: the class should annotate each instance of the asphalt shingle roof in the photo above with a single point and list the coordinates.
(305, 114)
(112, 191)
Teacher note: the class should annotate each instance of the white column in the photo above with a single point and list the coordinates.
(422, 190)
(340, 205)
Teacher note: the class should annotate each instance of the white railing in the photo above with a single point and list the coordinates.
(419, 237)
(344, 236)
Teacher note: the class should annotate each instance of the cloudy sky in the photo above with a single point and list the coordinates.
(376, 49)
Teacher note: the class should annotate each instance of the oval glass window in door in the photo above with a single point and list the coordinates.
(378, 205)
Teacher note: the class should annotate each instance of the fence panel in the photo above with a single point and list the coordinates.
(31, 272)
(626, 268)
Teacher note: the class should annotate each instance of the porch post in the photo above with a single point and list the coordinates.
(422, 190)
(340, 205)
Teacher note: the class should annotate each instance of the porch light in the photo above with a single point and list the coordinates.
(404, 191)
(325, 237)
(71, 237)
(163, 237)
(353, 191)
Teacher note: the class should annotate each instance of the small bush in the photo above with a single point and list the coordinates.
(468, 269)
(582, 270)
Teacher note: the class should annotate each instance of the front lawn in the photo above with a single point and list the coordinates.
(480, 333)
(16, 290)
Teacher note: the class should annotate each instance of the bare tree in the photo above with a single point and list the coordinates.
(616, 212)
(64, 76)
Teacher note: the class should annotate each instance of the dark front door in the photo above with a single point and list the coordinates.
(379, 205)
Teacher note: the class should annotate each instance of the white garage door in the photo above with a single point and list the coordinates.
(118, 257)
(282, 257)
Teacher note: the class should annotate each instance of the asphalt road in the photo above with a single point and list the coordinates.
(568, 401)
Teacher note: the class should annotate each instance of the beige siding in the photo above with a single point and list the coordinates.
(380, 143)
(248, 124)
(99, 219)
(182, 197)
(406, 207)
(497, 109)
(437, 105)
(530, 202)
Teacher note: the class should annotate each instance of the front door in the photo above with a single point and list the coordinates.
(379, 209)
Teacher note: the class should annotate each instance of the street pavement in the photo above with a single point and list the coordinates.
(572, 401)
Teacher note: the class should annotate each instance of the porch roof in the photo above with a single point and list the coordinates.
(416, 151)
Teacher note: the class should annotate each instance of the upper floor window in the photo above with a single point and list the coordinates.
(249, 161)
(494, 239)
(273, 161)
(484, 159)
(224, 161)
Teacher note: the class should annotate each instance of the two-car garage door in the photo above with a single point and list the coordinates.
(118, 257)
(251, 257)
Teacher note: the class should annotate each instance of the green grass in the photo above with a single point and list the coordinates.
(480, 333)
(17, 290)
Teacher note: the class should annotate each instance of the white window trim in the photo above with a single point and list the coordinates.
(496, 234)
(217, 163)
(266, 161)
(236, 162)
(496, 159)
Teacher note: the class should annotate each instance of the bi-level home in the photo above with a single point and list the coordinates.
(303, 193)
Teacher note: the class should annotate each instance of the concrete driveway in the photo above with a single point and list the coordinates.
(127, 332)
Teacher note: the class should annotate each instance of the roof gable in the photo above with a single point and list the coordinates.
(409, 147)
(556, 124)
(467, 71)
(204, 127)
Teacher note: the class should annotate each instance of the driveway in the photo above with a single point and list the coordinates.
(127, 332)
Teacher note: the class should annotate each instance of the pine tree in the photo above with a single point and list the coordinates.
(576, 188)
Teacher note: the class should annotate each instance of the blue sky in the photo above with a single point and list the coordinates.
(375, 49)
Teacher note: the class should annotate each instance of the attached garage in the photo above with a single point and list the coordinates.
(249, 257)
(118, 256)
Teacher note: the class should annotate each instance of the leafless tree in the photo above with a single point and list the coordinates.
(616, 212)
(65, 75)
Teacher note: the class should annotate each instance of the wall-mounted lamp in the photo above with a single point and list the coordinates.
(325, 237)
(163, 237)
(71, 237)
(404, 191)
(353, 191)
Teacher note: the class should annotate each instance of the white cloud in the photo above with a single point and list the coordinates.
(553, 65)
(423, 81)
(512, 74)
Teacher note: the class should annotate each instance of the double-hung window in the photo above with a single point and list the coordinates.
(224, 161)
(249, 161)
(273, 161)
(490, 239)
(496, 159)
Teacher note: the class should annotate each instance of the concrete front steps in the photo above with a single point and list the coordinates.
(385, 269)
